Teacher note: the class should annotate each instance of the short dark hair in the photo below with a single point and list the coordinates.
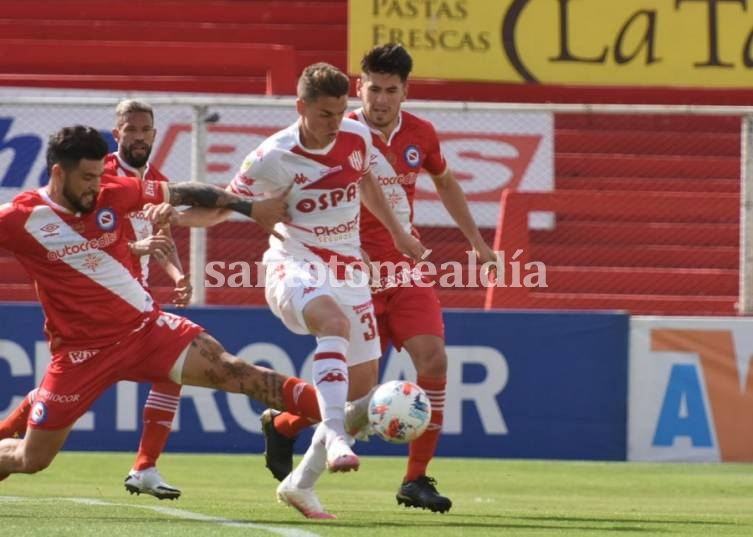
(322, 79)
(71, 144)
(391, 59)
(130, 106)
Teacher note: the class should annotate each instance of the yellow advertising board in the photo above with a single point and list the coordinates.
(681, 43)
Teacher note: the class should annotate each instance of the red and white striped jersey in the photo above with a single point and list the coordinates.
(140, 227)
(324, 202)
(413, 145)
(80, 263)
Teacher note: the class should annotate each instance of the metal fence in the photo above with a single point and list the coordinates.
(628, 152)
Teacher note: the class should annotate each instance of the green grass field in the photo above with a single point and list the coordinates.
(82, 495)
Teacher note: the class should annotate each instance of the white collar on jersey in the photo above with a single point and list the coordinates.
(323, 151)
(123, 164)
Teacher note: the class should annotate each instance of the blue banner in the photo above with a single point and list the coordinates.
(520, 385)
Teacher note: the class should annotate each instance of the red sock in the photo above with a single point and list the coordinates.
(289, 425)
(159, 411)
(14, 425)
(422, 449)
(299, 398)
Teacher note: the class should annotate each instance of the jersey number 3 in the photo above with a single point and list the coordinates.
(367, 319)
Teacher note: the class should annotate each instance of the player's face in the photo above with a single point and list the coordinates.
(81, 185)
(381, 95)
(320, 120)
(135, 137)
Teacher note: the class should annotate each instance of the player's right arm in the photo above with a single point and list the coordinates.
(201, 217)
(210, 197)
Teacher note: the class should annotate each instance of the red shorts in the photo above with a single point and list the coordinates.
(75, 379)
(405, 312)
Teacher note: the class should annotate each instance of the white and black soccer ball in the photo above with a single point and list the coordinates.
(399, 411)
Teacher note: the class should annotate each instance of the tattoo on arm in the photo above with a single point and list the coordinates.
(202, 195)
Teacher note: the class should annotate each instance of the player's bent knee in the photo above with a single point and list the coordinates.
(432, 364)
(36, 462)
(335, 325)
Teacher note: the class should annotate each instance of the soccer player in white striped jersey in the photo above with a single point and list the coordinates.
(408, 311)
(317, 281)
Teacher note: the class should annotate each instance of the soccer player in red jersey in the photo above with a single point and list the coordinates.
(101, 324)
(135, 134)
(409, 316)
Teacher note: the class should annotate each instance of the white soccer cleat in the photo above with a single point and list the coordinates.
(340, 458)
(304, 500)
(149, 481)
(357, 422)
(357, 416)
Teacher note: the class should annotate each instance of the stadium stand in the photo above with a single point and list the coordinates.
(159, 64)
(211, 46)
(649, 226)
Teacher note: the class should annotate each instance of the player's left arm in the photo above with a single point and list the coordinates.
(454, 200)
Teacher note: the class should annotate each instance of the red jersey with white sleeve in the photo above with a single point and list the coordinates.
(413, 145)
(140, 227)
(324, 202)
(81, 264)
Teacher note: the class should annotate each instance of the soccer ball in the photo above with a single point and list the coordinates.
(399, 411)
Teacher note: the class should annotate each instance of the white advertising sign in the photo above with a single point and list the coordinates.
(690, 389)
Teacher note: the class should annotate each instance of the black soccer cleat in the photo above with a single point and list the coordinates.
(278, 449)
(421, 492)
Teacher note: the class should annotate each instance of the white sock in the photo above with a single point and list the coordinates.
(330, 376)
(313, 463)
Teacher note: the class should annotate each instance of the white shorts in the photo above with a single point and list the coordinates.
(291, 284)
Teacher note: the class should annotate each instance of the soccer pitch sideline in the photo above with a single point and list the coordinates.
(81, 494)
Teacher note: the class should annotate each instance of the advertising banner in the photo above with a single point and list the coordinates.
(488, 150)
(533, 385)
(677, 43)
(691, 389)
